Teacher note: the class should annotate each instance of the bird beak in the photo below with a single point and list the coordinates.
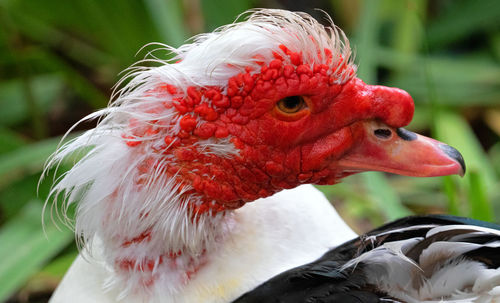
(396, 150)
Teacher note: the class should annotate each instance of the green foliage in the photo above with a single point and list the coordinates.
(26, 247)
(60, 59)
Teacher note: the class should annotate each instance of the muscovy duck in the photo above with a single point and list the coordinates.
(252, 112)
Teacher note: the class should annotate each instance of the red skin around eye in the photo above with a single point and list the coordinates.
(273, 150)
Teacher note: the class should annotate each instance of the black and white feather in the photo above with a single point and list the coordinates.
(415, 259)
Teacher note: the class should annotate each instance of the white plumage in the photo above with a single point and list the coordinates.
(253, 250)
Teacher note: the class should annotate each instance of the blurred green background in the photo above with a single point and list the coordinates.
(60, 59)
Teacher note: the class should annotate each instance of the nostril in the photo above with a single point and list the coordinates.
(383, 133)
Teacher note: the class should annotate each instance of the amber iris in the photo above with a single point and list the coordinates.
(291, 105)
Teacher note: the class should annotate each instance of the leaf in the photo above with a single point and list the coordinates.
(454, 130)
(480, 180)
(12, 97)
(366, 38)
(166, 15)
(479, 203)
(9, 140)
(113, 27)
(354, 204)
(19, 193)
(89, 41)
(25, 160)
(25, 247)
(494, 156)
(32, 22)
(492, 118)
(384, 195)
(407, 38)
(221, 12)
(463, 19)
(458, 81)
(451, 189)
(59, 266)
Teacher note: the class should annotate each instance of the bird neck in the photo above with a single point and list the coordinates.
(234, 252)
(168, 251)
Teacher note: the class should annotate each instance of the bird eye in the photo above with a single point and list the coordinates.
(291, 105)
(383, 133)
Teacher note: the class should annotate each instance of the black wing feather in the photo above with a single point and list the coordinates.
(325, 281)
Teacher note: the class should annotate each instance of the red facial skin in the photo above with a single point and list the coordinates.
(330, 138)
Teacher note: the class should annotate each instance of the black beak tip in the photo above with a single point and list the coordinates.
(455, 154)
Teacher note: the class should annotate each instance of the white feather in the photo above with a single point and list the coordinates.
(468, 228)
(117, 201)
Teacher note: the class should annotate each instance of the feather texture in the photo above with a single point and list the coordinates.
(417, 259)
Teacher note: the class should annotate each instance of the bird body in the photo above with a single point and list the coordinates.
(251, 252)
(179, 186)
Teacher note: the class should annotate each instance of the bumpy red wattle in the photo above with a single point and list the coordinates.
(272, 153)
(360, 101)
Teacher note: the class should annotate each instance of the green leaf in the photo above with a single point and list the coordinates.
(480, 207)
(451, 190)
(59, 266)
(221, 12)
(13, 97)
(167, 17)
(25, 247)
(455, 131)
(459, 81)
(494, 156)
(9, 140)
(480, 180)
(353, 203)
(366, 40)
(19, 193)
(384, 196)
(462, 19)
(25, 160)
(407, 38)
(31, 21)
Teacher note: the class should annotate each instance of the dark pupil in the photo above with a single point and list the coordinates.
(292, 101)
(383, 133)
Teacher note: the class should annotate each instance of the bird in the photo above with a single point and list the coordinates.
(195, 184)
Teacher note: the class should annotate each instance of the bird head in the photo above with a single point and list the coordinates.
(290, 110)
(241, 113)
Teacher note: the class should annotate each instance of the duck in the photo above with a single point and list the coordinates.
(196, 183)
